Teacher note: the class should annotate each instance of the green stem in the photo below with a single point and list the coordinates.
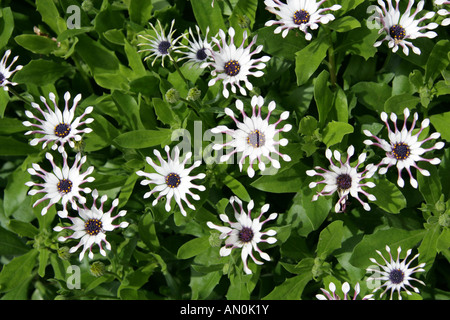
(175, 64)
(332, 66)
(14, 92)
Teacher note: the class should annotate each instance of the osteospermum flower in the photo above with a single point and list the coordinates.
(344, 179)
(395, 274)
(91, 226)
(56, 126)
(234, 64)
(443, 11)
(245, 233)
(254, 136)
(199, 50)
(298, 14)
(400, 28)
(345, 290)
(172, 179)
(5, 71)
(63, 184)
(159, 45)
(404, 149)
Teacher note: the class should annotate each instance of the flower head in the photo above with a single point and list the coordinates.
(172, 179)
(245, 233)
(56, 126)
(395, 274)
(63, 184)
(91, 226)
(234, 64)
(404, 149)
(254, 136)
(5, 71)
(443, 12)
(345, 289)
(298, 14)
(344, 179)
(159, 45)
(199, 50)
(400, 28)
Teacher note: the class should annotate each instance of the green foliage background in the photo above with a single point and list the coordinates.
(335, 86)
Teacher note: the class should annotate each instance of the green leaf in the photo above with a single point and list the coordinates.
(50, 15)
(203, 284)
(323, 96)
(193, 247)
(42, 72)
(440, 122)
(11, 244)
(372, 94)
(164, 112)
(237, 188)
(271, 43)
(335, 131)
(398, 103)
(140, 11)
(36, 44)
(15, 192)
(330, 239)
(207, 16)
(437, 61)
(344, 24)
(309, 59)
(389, 197)
(99, 59)
(393, 237)
(430, 187)
(128, 108)
(139, 139)
(17, 270)
(6, 25)
(428, 246)
(286, 181)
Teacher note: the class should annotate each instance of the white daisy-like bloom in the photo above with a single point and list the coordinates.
(395, 274)
(5, 71)
(172, 179)
(345, 290)
(58, 127)
(159, 45)
(91, 226)
(443, 11)
(199, 50)
(254, 137)
(298, 14)
(245, 233)
(400, 28)
(63, 184)
(344, 179)
(234, 64)
(404, 148)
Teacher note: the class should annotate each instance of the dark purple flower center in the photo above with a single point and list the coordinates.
(62, 130)
(64, 186)
(396, 276)
(401, 151)
(344, 181)
(232, 68)
(164, 47)
(201, 54)
(397, 32)
(256, 139)
(93, 227)
(301, 16)
(246, 234)
(173, 180)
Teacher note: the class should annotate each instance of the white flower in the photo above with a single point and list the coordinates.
(345, 289)
(63, 184)
(400, 28)
(199, 49)
(254, 136)
(234, 64)
(404, 149)
(396, 274)
(298, 14)
(56, 126)
(345, 179)
(172, 179)
(5, 72)
(160, 45)
(91, 226)
(443, 12)
(245, 233)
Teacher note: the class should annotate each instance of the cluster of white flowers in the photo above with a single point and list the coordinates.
(254, 138)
